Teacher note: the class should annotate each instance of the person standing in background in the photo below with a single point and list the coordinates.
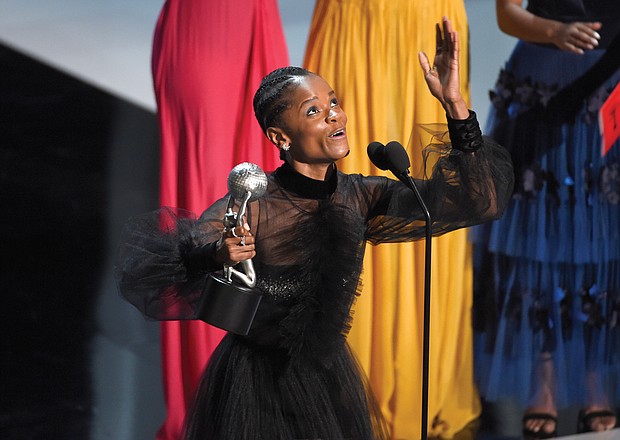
(367, 50)
(206, 129)
(548, 272)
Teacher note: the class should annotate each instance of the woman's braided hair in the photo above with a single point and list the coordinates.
(271, 99)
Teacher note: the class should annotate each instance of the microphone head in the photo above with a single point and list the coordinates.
(246, 177)
(396, 157)
(376, 153)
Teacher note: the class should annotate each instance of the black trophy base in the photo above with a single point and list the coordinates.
(228, 306)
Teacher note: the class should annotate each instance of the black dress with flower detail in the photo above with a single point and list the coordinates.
(293, 376)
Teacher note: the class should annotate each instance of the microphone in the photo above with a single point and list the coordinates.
(376, 153)
(393, 157)
(397, 159)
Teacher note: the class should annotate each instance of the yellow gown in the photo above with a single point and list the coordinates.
(368, 51)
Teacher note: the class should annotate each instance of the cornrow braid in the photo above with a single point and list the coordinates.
(270, 100)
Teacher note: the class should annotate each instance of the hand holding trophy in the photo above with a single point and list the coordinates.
(230, 301)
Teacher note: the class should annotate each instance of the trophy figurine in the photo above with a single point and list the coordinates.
(230, 301)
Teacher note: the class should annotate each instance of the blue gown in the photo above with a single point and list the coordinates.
(547, 274)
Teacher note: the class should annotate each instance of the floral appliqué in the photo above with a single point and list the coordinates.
(610, 183)
(526, 93)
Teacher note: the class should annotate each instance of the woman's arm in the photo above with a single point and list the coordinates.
(574, 37)
(165, 255)
(472, 177)
(467, 185)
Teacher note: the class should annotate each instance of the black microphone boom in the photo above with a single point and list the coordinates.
(393, 157)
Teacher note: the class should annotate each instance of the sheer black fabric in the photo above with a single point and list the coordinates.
(293, 376)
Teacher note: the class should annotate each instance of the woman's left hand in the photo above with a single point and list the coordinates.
(235, 245)
(443, 78)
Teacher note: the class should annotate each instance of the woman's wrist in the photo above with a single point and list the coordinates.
(457, 109)
(465, 134)
(202, 259)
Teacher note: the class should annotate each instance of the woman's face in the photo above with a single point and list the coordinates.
(315, 124)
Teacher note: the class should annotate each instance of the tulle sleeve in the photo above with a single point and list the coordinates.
(464, 182)
(164, 257)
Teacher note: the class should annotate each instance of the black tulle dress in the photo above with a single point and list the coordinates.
(293, 376)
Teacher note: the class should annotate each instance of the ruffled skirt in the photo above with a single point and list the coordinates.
(548, 272)
(258, 392)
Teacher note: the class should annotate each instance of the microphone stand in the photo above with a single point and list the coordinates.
(408, 180)
(394, 157)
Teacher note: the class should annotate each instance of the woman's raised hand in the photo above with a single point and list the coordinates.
(443, 78)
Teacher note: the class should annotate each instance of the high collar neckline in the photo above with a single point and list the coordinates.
(304, 186)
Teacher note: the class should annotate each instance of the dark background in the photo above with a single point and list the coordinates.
(75, 162)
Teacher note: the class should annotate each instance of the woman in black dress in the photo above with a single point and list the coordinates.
(293, 376)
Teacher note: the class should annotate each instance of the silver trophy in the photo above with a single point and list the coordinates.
(230, 301)
(246, 182)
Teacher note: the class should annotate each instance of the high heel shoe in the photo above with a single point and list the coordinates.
(585, 419)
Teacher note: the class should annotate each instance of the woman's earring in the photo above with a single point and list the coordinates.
(285, 147)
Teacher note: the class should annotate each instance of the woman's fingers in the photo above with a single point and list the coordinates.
(239, 231)
(241, 253)
(237, 245)
(245, 240)
(449, 41)
(238, 252)
(447, 45)
(240, 244)
(577, 36)
(447, 29)
(455, 43)
(424, 62)
(584, 36)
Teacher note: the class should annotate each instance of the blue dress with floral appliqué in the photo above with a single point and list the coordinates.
(548, 272)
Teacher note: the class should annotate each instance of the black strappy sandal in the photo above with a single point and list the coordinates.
(584, 422)
(541, 433)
